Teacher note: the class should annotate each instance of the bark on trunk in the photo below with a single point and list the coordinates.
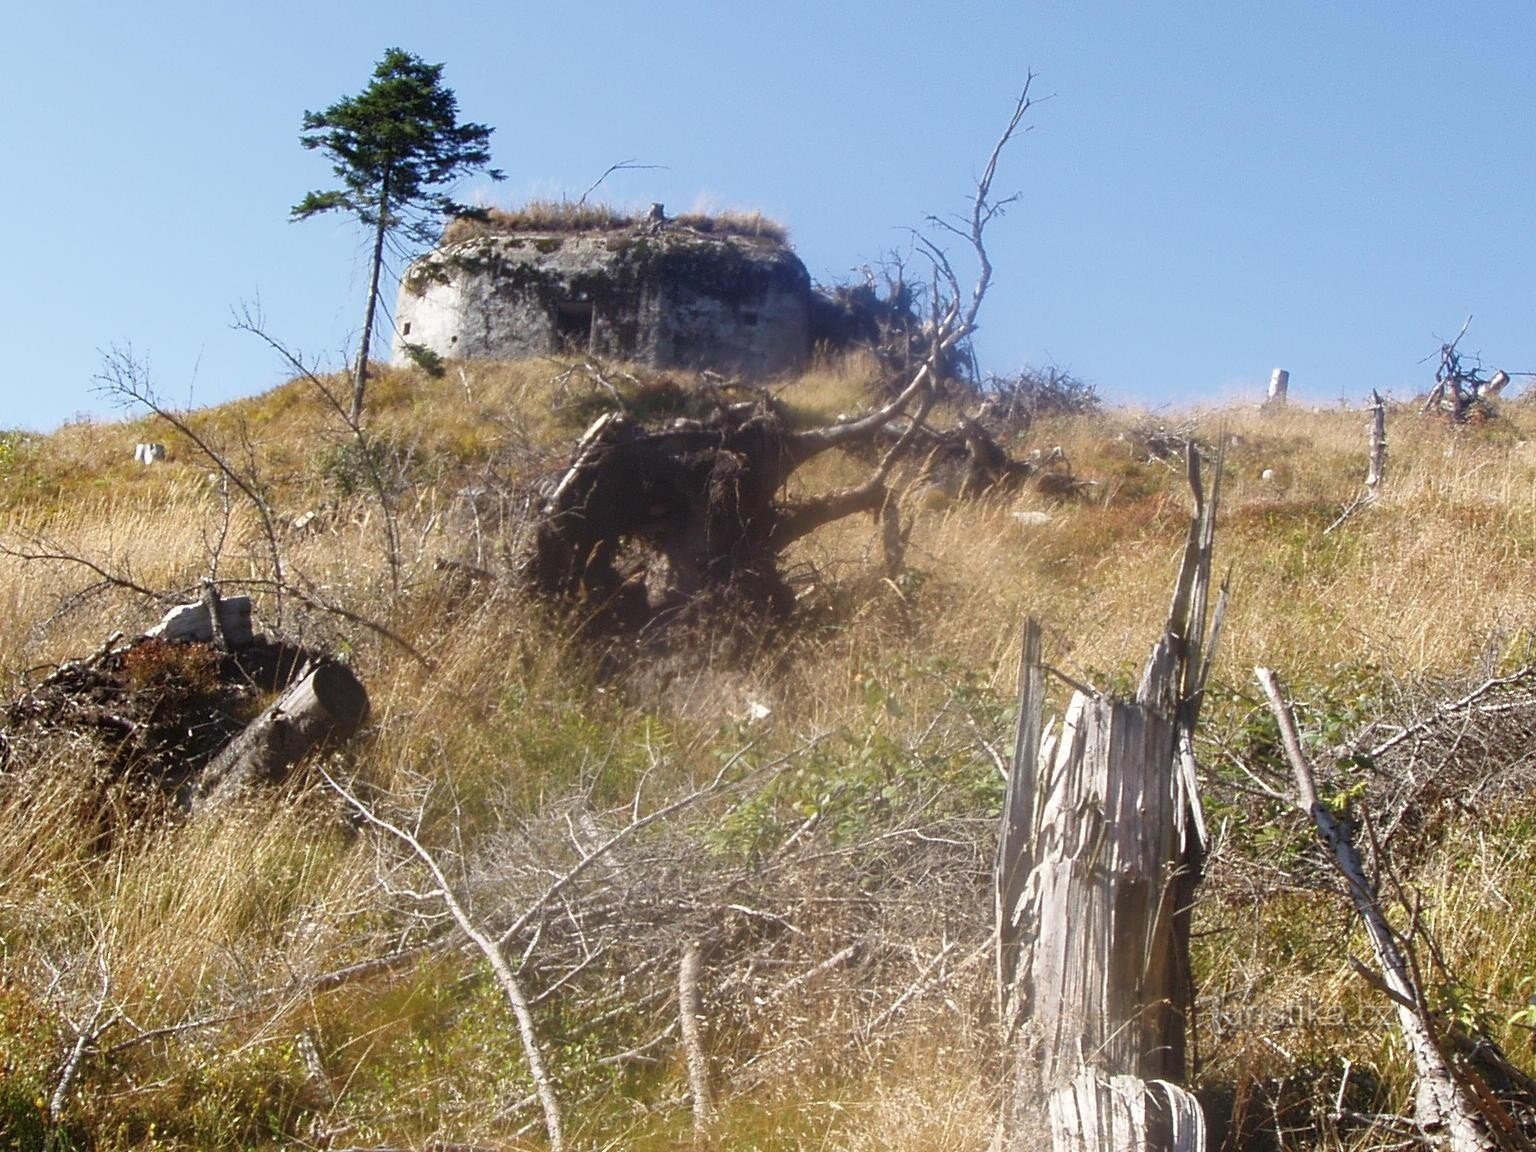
(1279, 384)
(1101, 849)
(690, 1013)
(381, 227)
(325, 707)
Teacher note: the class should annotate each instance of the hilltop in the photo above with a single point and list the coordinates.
(274, 975)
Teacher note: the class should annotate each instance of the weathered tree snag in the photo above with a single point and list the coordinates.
(1458, 389)
(1443, 1108)
(1377, 472)
(1279, 384)
(1101, 850)
(327, 706)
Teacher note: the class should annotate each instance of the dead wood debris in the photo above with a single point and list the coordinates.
(138, 721)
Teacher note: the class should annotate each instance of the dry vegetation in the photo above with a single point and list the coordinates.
(198, 958)
(574, 216)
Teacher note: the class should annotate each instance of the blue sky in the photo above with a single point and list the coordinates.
(1213, 189)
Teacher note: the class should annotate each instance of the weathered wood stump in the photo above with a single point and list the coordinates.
(1101, 850)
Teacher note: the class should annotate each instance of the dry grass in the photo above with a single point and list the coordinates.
(1432, 579)
(569, 216)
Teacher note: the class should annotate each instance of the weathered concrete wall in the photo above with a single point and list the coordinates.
(674, 299)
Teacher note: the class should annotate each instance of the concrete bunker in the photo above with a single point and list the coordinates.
(666, 293)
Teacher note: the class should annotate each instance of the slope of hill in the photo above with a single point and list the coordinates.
(804, 822)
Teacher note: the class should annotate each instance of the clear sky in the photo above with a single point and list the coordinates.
(1213, 190)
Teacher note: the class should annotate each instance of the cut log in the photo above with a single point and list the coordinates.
(323, 708)
(1101, 849)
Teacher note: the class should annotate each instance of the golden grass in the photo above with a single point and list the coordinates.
(1429, 579)
(570, 216)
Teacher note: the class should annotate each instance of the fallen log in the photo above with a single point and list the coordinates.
(323, 708)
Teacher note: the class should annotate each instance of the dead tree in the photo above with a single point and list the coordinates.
(647, 521)
(1377, 472)
(1376, 469)
(1279, 384)
(1458, 386)
(1101, 849)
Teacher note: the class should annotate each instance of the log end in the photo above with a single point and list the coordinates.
(343, 697)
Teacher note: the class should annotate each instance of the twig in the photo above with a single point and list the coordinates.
(1442, 1101)
(622, 166)
(1520, 675)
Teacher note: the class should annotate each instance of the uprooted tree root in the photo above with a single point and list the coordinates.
(648, 524)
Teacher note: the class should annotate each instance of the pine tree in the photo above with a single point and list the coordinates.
(395, 146)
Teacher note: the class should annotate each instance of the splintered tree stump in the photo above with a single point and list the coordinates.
(324, 708)
(1101, 849)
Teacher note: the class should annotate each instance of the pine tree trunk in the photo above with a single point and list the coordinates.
(360, 378)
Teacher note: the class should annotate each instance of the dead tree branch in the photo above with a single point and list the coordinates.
(629, 165)
(691, 1028)
(127, 379)
(1444, 1108)
(490, 949)
(645, 523)
(367, 450)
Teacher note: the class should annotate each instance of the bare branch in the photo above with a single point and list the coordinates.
(128, 379)
(622, 166)
(491, 950)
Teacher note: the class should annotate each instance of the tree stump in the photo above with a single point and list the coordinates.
(1100, 853)
(1279, 385)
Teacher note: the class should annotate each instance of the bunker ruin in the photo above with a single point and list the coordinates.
(655, 292)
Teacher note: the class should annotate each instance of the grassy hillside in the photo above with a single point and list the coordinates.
(282, 974)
